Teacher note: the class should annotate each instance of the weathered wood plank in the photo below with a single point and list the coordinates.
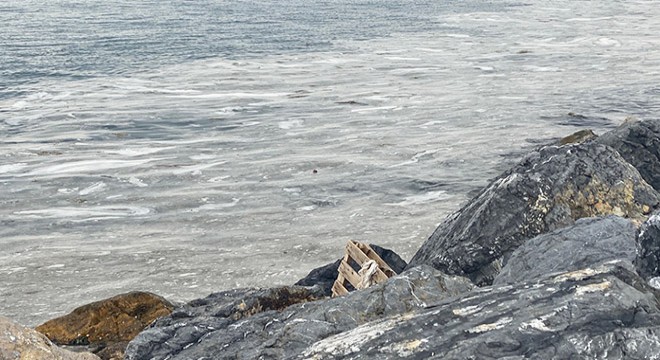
(350, 274)
(338, 289)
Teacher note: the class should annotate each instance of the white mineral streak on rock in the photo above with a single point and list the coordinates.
(490, 326)
(469, 310)
(503, 183)
(579, 274)
(349, 342)
(537, 324)
(406, 348)
(655, 282)
(598, 287)
(654, 220)
(540, 322)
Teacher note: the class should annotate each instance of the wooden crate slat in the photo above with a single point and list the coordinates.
(356, 253)
(350, 274)
(381, 263)
(360, 254)
(338, 289)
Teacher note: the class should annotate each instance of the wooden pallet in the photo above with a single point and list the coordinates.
(359, 254)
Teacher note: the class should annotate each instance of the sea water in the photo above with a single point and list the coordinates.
(186, 147)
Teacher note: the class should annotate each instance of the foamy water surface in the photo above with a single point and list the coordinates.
(196, 174)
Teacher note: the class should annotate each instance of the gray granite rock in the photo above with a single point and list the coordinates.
(589, 242)
(606, 312)
(210, 329)
(648, 248)
(549, 189)
(638, 143)
(326, 275)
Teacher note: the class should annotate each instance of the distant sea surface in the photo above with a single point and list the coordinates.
(186, 147)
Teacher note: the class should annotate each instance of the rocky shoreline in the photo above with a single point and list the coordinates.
(559, 257)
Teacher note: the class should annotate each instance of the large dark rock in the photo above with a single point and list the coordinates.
(218, 328)
(549, 189)
(606, 312)
(638, 143)
(589, 242)
(648, 248)
(325, 276)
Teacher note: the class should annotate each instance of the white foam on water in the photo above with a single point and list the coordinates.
(214, 206)
(87, 213)
(10, 168)
(290, 124)
(425, 198)
(137, 182)
(93, 188)
(586, 19)
(137, 151)
(197, 169)
(86, 166)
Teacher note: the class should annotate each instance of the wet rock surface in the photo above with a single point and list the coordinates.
(325, 276)
(638, 143)
(549, 189)
(106, 326)
(589, 242)
(648, 248)
(20, 343)
(593, 313)
(211, 330)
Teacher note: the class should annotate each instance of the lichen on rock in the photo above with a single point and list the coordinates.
(107, 325)
(549, 189)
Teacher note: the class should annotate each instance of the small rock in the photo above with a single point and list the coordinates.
(20, 343)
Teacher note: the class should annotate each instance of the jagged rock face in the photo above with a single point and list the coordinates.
(589, 242)
(549, 189)
(187, 325)
(648, 248)
(325, 276)
(211, 330)
(107, 325)
(20, 343)
(638, 143)
(606, 312)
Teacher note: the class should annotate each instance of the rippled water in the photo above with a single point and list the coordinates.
(188, 147)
